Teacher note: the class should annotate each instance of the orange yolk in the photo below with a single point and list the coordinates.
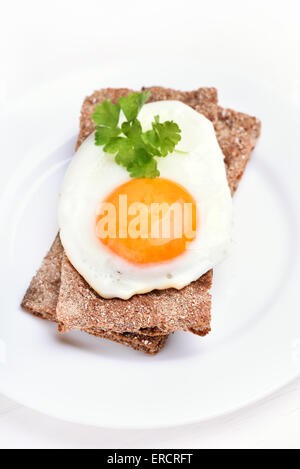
(147, 220)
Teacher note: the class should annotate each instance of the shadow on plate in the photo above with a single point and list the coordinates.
(179, 346)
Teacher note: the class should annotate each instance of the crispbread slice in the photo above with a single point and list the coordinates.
(42, 295)
(237, 134)
(80, 307)
(157, 312)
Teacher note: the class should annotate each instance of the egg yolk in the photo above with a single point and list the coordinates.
(147, 220)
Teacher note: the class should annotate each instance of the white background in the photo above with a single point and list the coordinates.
(42, 41)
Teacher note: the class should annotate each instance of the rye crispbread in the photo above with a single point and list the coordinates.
(157, 312)
(42, 295)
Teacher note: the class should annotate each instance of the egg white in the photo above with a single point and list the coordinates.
(93, 174)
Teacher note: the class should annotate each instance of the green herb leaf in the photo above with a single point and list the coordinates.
(144, 166)
(133, 103)
(132, 130)
(167, 134)
(134, 149)
(107, 114)
(123, 150)
(151, 139)
(104, 134)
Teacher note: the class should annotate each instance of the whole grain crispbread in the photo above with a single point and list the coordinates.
(80, 307)
(42, 295)
(157, 312)
(237, 134)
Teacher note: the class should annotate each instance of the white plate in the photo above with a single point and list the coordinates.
(254, 346)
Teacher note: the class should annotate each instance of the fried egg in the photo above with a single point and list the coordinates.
(114, 229)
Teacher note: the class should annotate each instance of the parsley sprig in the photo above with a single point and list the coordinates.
(134, 149)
